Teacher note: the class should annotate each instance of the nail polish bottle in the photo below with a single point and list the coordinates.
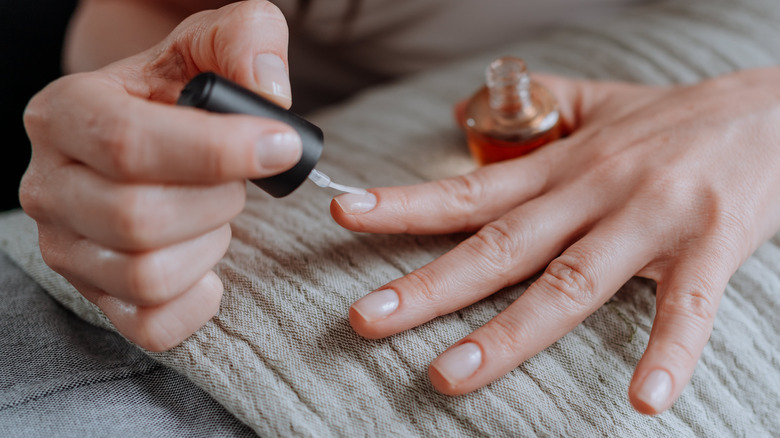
(510, 116)
(215, 93)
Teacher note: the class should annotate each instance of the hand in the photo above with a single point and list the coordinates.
(132, 195)
(679, 185)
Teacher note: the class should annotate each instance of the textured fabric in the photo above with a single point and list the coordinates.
(333, 53)
(60, 376)
(281, 356)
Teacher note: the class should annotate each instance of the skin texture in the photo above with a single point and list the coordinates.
(678, 185)
(132, 195)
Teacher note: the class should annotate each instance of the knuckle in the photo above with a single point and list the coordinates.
(729, 231)
(117, 138)
(570, 281)
(53, 252)
(498, 245)
(697, 307)
(35, 114)
(425, 285)
(216, 159)
(54, 259)
(464, 194)
(505, 336)
(135, 221)
(31, 196)
(466, 191)
(218, 156)
(678, 351)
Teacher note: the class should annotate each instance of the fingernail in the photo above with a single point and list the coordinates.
(656, 389)
(279, 151)
(377, 305)
(353, 203)
(271, 76)
(459, 363)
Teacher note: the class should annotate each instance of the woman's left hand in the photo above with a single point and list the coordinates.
(675, 184)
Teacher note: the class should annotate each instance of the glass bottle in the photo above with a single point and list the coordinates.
(510, 116)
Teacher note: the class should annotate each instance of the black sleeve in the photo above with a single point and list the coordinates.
(31, 34)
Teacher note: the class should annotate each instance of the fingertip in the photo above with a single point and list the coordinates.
(363, 327)
(356, 203)
(454, 371)
(683, 324)
(247, 42)
(440, 383)
(161, 328)
(210, 297)
(444, 386)
(347, 209)
(213, 284)
(167, 328)
(338, 214)
(341, 218)
(272, 79)
(277, 152)
(651, 393)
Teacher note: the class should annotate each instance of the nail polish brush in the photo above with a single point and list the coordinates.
(215, 93)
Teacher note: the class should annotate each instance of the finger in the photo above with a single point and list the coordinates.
(131, 139)
(586, 106)
(572, 287)
(246, 42)
(577, 98)
(502, 253)
(138, 217)
(462, 203)
(162, 327)
(687, 302)
(144, 279)
(571, 97)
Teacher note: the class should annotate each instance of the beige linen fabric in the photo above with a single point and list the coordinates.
(281, 356)
(332, 55)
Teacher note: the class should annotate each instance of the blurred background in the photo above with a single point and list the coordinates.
(31, 35)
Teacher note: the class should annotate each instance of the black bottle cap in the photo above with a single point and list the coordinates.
(212, 92)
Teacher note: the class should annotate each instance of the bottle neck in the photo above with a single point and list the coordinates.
(509, 89)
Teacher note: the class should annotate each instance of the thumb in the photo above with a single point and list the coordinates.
(244, 41)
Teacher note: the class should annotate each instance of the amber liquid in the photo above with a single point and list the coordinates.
(486, 149)
(490, 141)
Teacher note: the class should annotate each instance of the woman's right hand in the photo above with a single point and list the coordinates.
(132, 195)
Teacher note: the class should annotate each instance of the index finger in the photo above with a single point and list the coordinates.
(128, 138)
(455, 204)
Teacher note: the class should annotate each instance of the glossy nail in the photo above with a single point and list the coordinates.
(459, 363)
(279, 151)
(353, 203)
(377, 305)
(656, 389)
(272, 78)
